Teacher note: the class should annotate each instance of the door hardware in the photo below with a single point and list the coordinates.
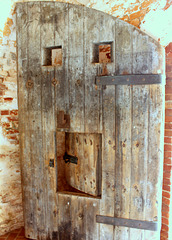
(70, 159)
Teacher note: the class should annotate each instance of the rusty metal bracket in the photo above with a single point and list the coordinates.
(152, 226)
(142, 79)
(63, 120)
(70, 159)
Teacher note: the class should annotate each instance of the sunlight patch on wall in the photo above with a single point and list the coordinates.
(5, 8)
(158, 24)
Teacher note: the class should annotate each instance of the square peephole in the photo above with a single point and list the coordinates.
(52, 56)
(102, 52)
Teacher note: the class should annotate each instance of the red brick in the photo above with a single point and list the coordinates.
(165, 208)
(168, 118)
(3, 87)
(168, 161)
(166, 187)
(165, 214)
(168, 89)
(166, 201)
(169, 68)
(6, 125)
(168, 48)
(147, 3)
(14, 112)
(11, 119)
(162, 237)
(165, 227)
(167, 155)
(168, 112)
(165, 221)
(168, 97)
(135, 22)
(167, 167)
(5, 112)
(167, 147)
(8, 99)
(164, 234)
(166, 181)
(168, 140)
(165, 194)
(166, 174)
(168, 104)
(137, 14)
(2, 92)
(169, 74)
(168, 133)
(125, 18)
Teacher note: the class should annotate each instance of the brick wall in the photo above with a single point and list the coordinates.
(167, 147)
(11, 210)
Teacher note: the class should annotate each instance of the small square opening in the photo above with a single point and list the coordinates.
(52, 56)
(102, 52)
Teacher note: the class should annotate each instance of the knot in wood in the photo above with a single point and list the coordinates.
(29, 84)
(54, 82)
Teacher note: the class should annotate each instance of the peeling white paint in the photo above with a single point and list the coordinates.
(158, 24)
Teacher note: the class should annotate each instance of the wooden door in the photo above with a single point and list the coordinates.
(89, 86)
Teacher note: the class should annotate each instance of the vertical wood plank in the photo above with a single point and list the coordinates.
(76, 67)
(141, 64)
(48, 121)
(64, 217)
(35, 117)
(61, 19)
(108, 163)
(24, 116)
(123, 128)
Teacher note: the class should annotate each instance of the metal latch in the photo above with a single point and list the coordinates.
(70, 159)
(51, 163)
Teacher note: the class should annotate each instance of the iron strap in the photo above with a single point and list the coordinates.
(153, 226)
(130, 79)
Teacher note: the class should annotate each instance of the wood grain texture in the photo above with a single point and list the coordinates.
(48, 121)
(123, 128)
(127, 121)
(24, 126)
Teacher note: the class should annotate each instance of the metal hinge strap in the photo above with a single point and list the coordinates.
(152, 226)
(143, 79)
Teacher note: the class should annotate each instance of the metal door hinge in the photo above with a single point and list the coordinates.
(131, 223)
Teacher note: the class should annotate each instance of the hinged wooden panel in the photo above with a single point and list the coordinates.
(114, 131)
(86, 174)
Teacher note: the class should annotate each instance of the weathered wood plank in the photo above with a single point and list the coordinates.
(48, 120)
(156, 134)
(35, 117)
(76, 67)
(108, 160)
(24, 126)
(123, 128)
(64, 219)
(141, 64)
(61, 72)
(155, 156)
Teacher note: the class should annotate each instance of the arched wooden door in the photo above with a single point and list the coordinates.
(91, 95)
